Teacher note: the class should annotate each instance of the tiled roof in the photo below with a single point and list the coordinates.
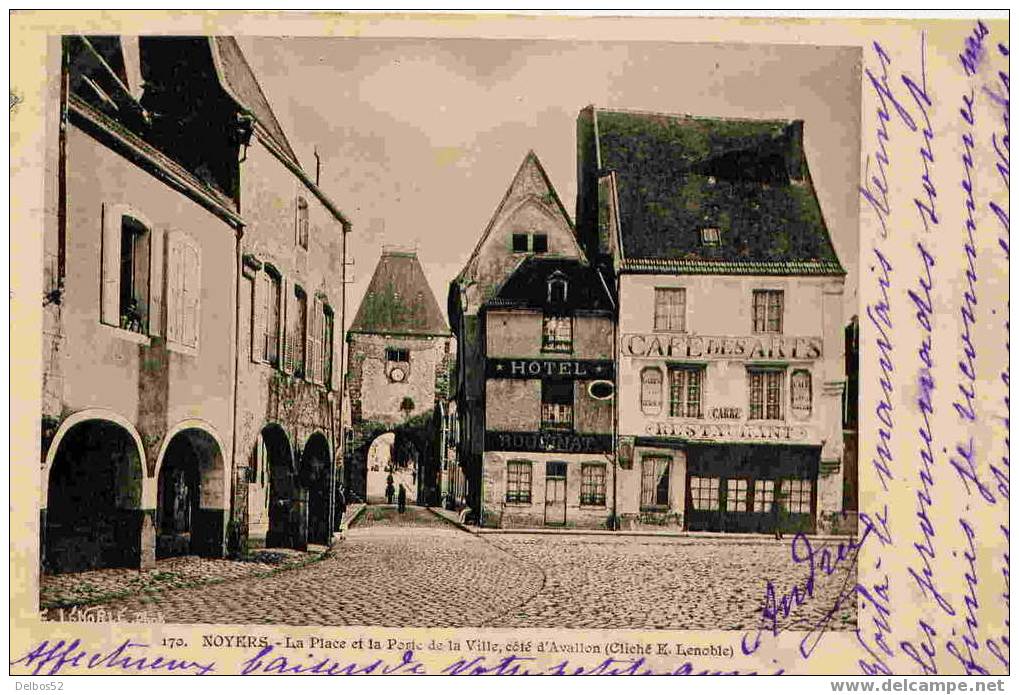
(678, 175)
(240, 82)
(701, 267)
(527, 286)
(399, 300)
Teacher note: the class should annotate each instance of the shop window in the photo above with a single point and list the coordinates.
(518, 482)
(736, 494)
(592, 484)
(765, 394)
(556, 405)
(302, 223)
(539, 243)
(557, 333)
(685, 389)
(654, 482)
(768, 311)
(651, 391)
(799, 384)
(519, 243)
(796, 495)
(670, 309)
(704, 493)
(764, 495)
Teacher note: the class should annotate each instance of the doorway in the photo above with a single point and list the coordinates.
(555, 493)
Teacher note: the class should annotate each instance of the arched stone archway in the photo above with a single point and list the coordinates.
(93, 516)
(404, 449)
(277, 505)
(316, 479)
(191, 510)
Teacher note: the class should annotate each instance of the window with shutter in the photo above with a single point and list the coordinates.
(259, 293)
(287, 323)
(327, 347)
(183, 291)
(273, 297)
(130, 264)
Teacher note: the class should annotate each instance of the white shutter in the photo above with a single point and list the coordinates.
(259, 296)
(192, 292)
(174, 304)
(314, 368)
(287, 329)
(110, 271)
(156, 266)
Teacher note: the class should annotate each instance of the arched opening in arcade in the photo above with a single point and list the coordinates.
(392, 461)
(93, 517)
(277, 504)
(190, 512)
(316, 480)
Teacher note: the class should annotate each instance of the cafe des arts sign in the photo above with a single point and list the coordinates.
(752, 347)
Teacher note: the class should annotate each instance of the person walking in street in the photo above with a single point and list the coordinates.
(341, 506)
(401, 500)
(390, 490)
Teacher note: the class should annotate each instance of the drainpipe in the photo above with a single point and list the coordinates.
(343, 359)
(235, 386)
(615, 412)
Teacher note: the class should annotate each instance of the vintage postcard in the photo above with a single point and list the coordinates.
(491, 344)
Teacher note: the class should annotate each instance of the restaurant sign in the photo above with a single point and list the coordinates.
(729, 431)
(703, 347)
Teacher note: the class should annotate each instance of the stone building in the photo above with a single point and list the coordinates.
(534, 379)
(163, 156)
(400, 357)
(730, 369)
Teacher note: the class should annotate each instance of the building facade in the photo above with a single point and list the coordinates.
(157, 173)
(401, 354)
(731, 363)
(535, 374)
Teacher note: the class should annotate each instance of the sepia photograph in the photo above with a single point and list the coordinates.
(466, 333)
(510, 344)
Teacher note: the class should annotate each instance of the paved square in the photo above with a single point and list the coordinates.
(418, 569)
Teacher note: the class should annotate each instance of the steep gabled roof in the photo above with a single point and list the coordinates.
(678, 175)
(519, 181)
(527, 287)
(398, 300)
(240, 83)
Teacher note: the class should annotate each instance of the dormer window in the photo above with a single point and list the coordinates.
(711, 236)
(557, 289)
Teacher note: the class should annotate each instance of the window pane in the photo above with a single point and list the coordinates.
(654, 481)
(670, 309)
(557, 334)
(540, 243)
(736, 495)
(704, 493)
(685, 391)
(518, 481)
(764, 495)
(520, 242)
(592, 489)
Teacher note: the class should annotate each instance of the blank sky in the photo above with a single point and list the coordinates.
(419, 138)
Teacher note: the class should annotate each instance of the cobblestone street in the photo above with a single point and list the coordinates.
(418, 569)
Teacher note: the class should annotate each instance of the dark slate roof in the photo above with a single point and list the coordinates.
(527, 286)
(678, 174)
(399, 300)
(240, 82)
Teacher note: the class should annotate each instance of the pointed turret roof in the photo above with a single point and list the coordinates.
(399, 300)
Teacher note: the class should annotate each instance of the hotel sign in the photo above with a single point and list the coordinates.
(730, 432)
(500, 368)
(551, 442)
(714, 347)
